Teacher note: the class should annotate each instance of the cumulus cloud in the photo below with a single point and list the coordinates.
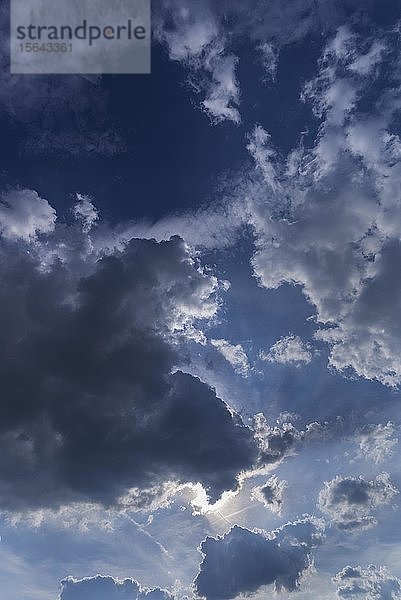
(372, 583)
(93, 401)
(24, 215)
(349, 501)
(242, 561)
(289, 350)
(326, 217)
(234, 354)
(271, 493)
(103, 587)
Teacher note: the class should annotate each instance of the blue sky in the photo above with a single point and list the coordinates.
(200, 312)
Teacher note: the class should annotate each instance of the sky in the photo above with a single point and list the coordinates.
(200, 312)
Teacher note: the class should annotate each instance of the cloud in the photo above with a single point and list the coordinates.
(93, 401)
(242, 561)
(223, 95)
(204, 36)
(85, 212)
(280, 441)
(326, 217)
(24, 215)
(289, 350)
(349, 501)
(275, 442)
(269, 56)
(271, 493)
(220, 226)
(377, 442)
(234, 354)
(372, 583)
(365, 63)
(193, 35)
(103, 587)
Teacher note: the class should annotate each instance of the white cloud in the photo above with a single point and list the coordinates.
(85, 212)
(217, 227)
(223, 95)
(372, 583)
(349, 501)
(269, 55)
(193, 35)
(364, 64)
(186, 28)
(289, 350)
(234, 354)
(24, 215)
(199, 35)
(328, 218)
(377, 442)
(270, 494)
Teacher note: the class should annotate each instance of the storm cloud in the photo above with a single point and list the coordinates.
(92, 401)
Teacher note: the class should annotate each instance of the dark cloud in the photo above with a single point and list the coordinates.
(108, 588)
(91, 405)
(349, 501)
(242, 561)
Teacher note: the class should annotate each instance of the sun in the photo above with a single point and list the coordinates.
(200, 502)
